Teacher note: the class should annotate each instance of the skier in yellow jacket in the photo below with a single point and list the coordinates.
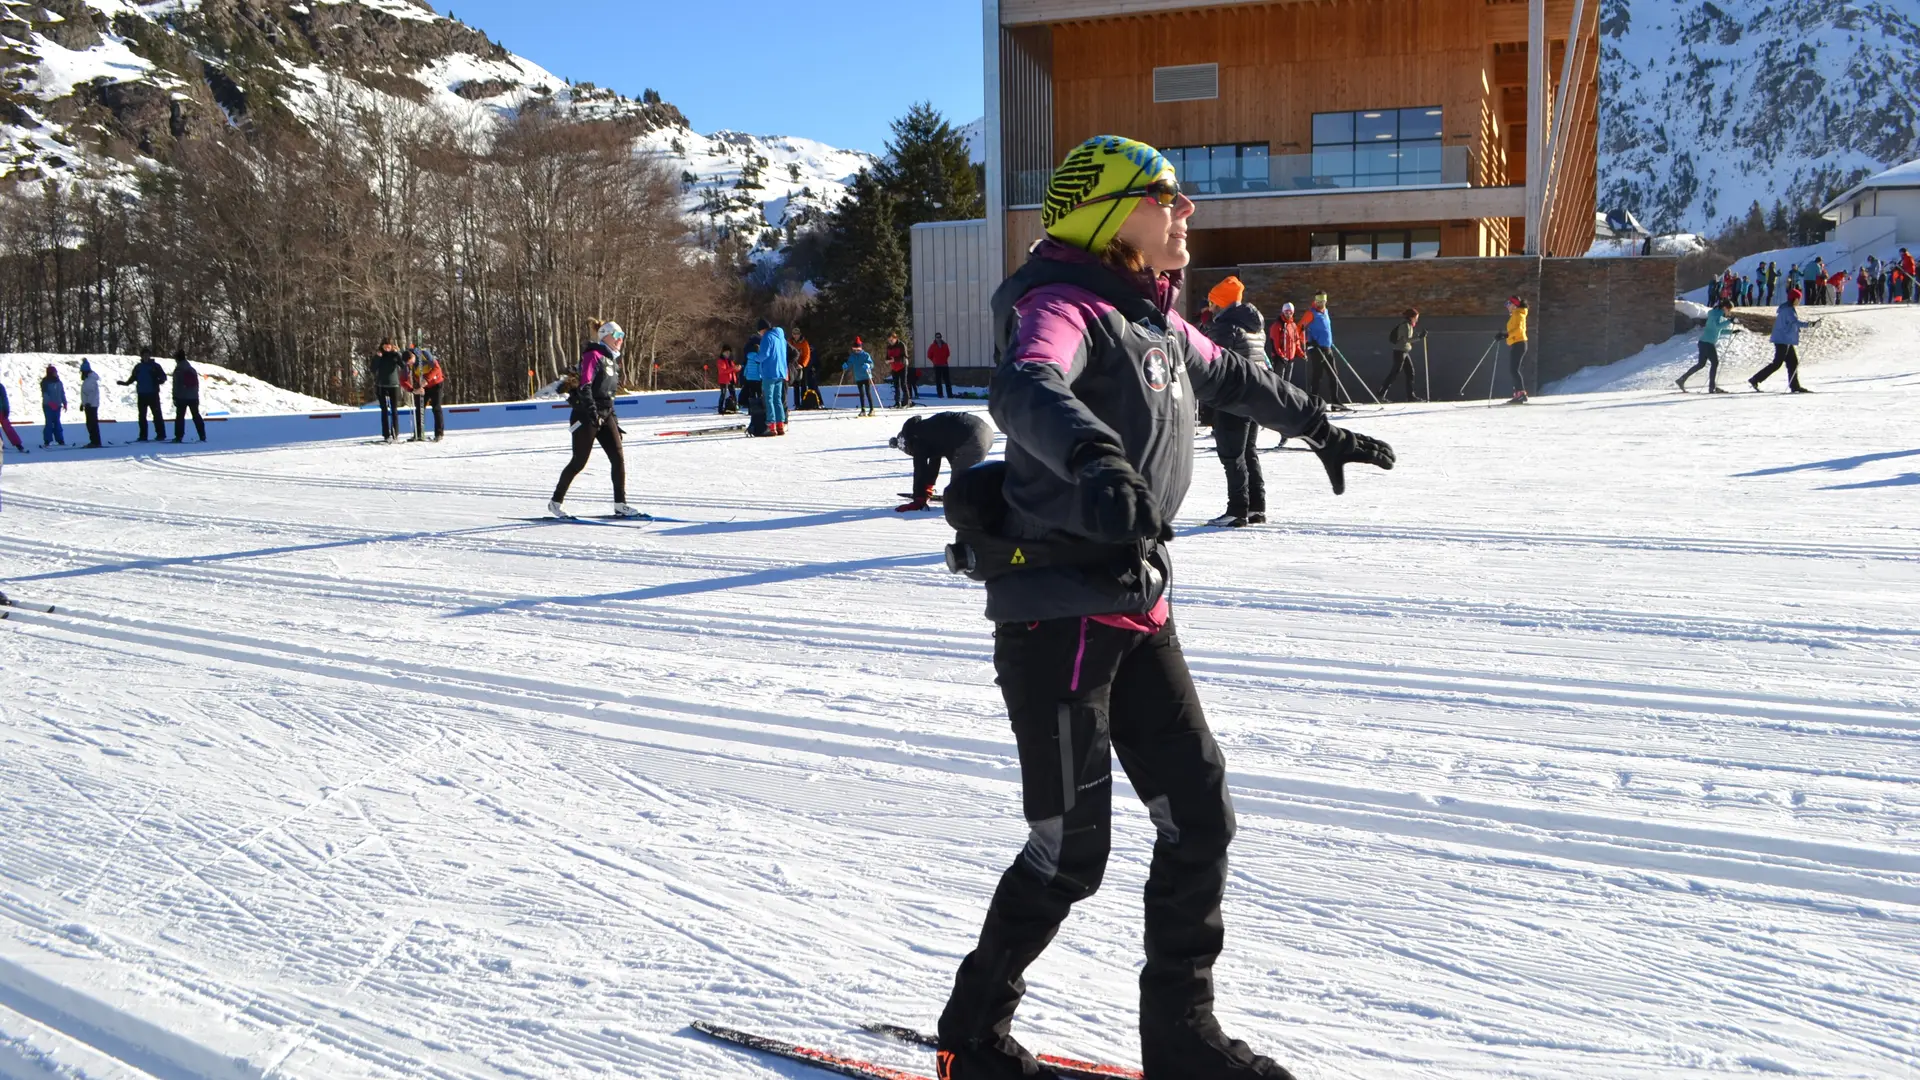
(1517, 347)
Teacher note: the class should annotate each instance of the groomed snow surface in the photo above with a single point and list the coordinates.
(1584, 744)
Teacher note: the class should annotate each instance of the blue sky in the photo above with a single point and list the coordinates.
(835, 70)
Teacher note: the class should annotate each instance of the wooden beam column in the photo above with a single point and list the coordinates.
(1537, 65)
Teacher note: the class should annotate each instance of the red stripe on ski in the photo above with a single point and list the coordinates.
(1065, 1066)
(861, 1070)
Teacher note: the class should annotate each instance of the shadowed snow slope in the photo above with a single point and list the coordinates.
(1582, 745)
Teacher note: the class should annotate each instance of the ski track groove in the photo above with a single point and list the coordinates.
(1873, 874)
(656, 843)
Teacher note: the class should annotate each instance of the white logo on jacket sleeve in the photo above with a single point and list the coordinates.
(1159, 371)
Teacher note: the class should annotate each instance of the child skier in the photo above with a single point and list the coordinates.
(1719, 324)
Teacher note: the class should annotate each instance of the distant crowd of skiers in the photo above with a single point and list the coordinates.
(146, 379)
(776, 363)
(1874, 281)
(1302, 349)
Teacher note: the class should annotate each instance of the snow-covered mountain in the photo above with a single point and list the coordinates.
(1708, 106)
(99, 89)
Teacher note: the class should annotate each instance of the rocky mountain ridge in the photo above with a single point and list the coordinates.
(1708, 106)
(100, 89)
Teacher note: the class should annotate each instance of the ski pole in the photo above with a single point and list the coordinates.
(1356, 375)
(1476, 368)
(1426, 362)
(1493, 373)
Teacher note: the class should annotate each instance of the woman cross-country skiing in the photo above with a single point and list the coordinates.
(593, 420)
(1096, 387)
(1516, 339)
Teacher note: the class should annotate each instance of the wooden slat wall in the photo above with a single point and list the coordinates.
(1279, 65)
(1569, 229)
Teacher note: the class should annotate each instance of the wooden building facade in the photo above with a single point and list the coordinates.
(1311, 130)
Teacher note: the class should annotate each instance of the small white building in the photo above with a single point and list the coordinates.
(1878, 215)
(951, 291)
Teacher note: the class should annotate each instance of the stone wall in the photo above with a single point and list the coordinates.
(1584, 312)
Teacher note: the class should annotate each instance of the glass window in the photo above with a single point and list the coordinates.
(1222, 170)
(1333, 167)
(1420, 123)
(1378, 147)
(1390, 245)
(1375, 127)
(1357, 247)
(1226, 168)
(1332, 128)
(1425, 244)
(1326, 247)
(1255, 167)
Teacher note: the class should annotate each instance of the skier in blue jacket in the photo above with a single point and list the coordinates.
(859, 368)
(1719, 325)
(773, 376)
(1318, 325)
(1787, 325)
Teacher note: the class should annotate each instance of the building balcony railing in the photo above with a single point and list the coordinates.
(1293, 174)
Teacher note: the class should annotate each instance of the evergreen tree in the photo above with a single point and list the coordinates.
(862, 273)
(928, 171)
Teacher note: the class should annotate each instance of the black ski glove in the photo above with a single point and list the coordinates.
(1338, 448)
(1116, 503)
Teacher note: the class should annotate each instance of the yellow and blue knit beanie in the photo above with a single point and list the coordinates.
(1103, 165)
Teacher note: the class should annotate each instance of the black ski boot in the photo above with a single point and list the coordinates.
(1002, 1058)
(1196, 1049)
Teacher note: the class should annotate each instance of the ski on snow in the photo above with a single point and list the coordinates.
(819, 1059)
(9, 605)
(1064, 1066)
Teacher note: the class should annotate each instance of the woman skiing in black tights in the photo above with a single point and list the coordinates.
(1096, 389)
(593, 421)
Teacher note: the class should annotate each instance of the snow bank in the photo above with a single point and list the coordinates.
(1744, 352)
(222, 392)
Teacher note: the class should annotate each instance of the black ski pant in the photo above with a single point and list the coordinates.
(1709, 359)
(1077, 692)
(389, 398)
(1787, 356)
(432, 397)
(926, 467)
(942, 381)
(180, 411)
(151, 403)
(587, 429)
(869, 399)
(1402, 365)
(1236, 439)
(93, 424)
(1326, 375)
(900, 391)
(1516, 360)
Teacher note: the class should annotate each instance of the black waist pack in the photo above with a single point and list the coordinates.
(976, 507)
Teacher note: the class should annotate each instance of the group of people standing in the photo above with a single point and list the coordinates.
(745, 384)
(1874, 281)
(418, 373)
(146, 378)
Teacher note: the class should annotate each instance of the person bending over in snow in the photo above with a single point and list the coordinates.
(1095, 390)
(961, 439)
(592, 392)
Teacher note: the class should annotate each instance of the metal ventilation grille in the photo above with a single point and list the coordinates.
(1188, 82)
